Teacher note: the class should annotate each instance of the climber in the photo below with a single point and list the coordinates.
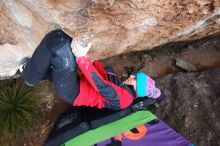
(57, 58)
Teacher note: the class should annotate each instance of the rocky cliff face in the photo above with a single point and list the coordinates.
(113, 26)
(192, 105)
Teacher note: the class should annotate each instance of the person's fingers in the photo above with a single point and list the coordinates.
(88, 45)
(126, 81)
(74, 44)
(77, 43)
(74, 47)
(78, 49)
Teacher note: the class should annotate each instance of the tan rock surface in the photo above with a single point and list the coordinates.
(113, 26)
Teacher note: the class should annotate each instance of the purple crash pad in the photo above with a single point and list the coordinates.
(158, 134)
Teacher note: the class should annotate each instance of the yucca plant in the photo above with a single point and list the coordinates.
(18, 108)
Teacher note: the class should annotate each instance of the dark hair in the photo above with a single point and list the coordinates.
(131, 71)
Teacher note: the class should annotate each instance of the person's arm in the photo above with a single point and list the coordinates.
(98, 65)
(115, 96)
(118, 97)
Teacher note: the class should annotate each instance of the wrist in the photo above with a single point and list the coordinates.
(82, 57)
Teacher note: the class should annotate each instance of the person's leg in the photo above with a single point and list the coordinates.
(40, 62)
(54, 60)
(64, 69)
(48, 75)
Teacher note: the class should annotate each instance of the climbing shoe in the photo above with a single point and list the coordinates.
(23, 63)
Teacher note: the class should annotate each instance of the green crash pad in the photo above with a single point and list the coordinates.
(110, 130)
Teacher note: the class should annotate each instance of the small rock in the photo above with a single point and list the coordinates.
(185, 65)
(124, 57)
(146, 57)
(190, 47)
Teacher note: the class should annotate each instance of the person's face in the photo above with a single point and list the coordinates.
(131, 81)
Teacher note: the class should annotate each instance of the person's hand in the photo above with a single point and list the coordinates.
(131, 81)
(79, 49)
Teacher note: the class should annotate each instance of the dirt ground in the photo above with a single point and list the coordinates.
(203, 53)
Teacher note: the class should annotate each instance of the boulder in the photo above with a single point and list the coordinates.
(192, 105)
(114, 27)
(185, 65)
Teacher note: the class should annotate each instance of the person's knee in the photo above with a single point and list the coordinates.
(63, 58)
(56, 39)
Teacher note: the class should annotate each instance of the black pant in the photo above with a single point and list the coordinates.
(54, 60)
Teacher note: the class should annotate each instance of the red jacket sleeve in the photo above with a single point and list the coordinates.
(97, 64)
(86, 67)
